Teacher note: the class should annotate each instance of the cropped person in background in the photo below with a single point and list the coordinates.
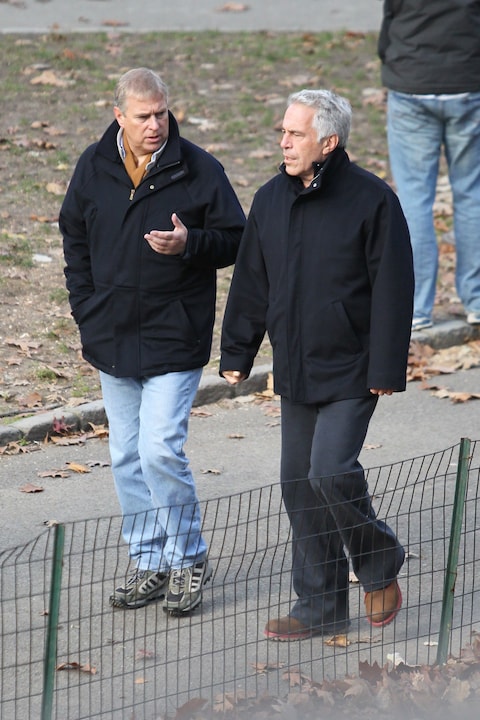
(147, 219)
(430, 53)
(325, 268)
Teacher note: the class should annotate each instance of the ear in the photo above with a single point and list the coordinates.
(118, 116)
(329, 144)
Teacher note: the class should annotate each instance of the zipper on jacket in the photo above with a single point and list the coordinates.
(132, 193)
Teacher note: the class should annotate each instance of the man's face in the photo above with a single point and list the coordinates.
(145, 123)
(299, 142)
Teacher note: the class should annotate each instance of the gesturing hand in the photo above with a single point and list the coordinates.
(169, 242)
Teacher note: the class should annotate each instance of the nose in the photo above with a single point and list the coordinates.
(154, 122)
(284, 142)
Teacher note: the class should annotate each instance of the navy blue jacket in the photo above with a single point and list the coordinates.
(327, 272)
(141, 313)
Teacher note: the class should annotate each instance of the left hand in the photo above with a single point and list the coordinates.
(377, 391)
(169, 242)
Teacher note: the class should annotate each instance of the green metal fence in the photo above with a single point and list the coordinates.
(66, 654)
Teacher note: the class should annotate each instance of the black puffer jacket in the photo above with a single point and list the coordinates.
(327, 272)
(430, 46)
(141, 313)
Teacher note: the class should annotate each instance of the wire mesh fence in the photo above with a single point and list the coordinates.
(146, 663)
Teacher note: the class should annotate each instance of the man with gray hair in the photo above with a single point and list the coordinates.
(325, 268)
(147, 219)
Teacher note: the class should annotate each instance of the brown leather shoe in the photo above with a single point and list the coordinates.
(382, 606)
(287, 628)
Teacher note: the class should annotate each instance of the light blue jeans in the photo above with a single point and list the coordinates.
(148, 425)
(418, 127)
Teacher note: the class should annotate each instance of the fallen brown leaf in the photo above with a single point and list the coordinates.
(15, 448)
(64, 440)
(33, 399)
(99, 431)
(48, 77)
(53, 474)
(31, 488)
(98, 463)
(187, 711)
(455, 397)
(200, 412)
(77, 467)
(24, 345)
(338, 641)
(233, 7)
(295, 677)
(55, 188)
(87, 668)
(144, 654)
(114, 23)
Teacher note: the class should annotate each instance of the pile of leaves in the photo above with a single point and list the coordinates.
(424, 364)
(397, 692)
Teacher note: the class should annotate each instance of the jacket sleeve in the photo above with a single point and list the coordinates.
(244, 321)
(216, 243)
(391, 271)
(73, 228)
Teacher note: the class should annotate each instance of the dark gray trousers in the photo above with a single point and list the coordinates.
(330, 511)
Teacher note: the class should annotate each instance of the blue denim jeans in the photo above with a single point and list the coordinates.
(418, 128)
(148, 424)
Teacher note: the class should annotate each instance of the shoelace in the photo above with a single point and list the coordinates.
(178, 579)
(139, 575)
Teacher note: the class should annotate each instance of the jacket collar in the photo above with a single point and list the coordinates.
(321, 171)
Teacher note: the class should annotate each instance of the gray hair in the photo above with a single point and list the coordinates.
(140, 83)
(333, 113)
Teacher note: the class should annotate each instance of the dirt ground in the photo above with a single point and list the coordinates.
(228, 92)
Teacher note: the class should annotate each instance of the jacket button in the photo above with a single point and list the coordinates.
(152, 187)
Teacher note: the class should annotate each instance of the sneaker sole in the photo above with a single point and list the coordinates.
(176, 612)
(304, 635)
(289, 636)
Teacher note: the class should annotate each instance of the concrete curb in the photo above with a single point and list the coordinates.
(36, 427)
(447, 334)
(212, 389)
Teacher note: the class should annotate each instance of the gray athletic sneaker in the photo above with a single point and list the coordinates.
(185, 588)
(141, 588)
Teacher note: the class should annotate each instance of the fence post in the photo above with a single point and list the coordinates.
(452, 561)
(52, 625)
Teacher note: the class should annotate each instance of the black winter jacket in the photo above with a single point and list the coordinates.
(141, 313)
(430, 46)
(327, 272)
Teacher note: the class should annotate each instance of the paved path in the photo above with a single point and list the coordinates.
(278, 15)
(233, 447)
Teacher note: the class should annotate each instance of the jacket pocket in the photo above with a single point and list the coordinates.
(166, 329)
(334, 337)
(95, 321)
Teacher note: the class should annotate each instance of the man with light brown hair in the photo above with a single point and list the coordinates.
(146, 221)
